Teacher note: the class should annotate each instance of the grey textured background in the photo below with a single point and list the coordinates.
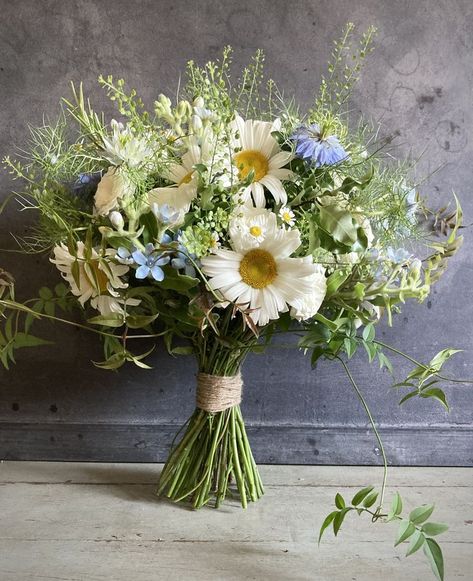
(55, 405)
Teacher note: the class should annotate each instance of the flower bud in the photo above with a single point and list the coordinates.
(198, 102)
(117, 220)
(196, 123)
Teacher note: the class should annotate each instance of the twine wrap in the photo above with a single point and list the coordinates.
(216, 393)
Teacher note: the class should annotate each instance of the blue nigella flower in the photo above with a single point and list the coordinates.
(86, 183)
(315, 148)
(150, 262)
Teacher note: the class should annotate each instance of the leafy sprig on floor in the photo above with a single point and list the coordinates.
(415, 527)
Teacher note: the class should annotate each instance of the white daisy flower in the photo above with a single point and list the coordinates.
(264, 279)
(249, 226)
(287, 216)
(259, 152)
(309, 304)
(123, 146)
(96, 276)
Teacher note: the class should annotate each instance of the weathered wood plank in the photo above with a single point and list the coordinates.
(305, 444)
(92, 522)
(218, 561)
(140, 473)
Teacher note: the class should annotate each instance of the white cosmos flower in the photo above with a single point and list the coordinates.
(183, 176)
(123, 146)
(309, 304)
(249, 226)
(287, 216)
(113, 186)
(98, 277)
(260, 153)
(265, 279)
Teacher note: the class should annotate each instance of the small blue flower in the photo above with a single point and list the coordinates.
(166, 214)
(397, 255)
(125, 256)
(150, 262)
(316, 149)
(181, 261)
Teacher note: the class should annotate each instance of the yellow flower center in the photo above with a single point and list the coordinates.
(251, 160)
(286, 217)
(256, 231)
(187, 178)
(258, 268)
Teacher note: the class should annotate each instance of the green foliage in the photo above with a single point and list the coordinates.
(16, 318)
(413, 528)
(424, 379)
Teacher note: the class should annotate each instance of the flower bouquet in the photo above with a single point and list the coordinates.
(215, 223)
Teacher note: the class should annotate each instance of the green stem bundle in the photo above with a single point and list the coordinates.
(212, 460)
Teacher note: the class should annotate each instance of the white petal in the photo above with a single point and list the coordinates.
(280, 159)
(275, 187)
(283, 243)
(258, 194)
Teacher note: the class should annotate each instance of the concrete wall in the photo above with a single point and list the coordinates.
(55, 405)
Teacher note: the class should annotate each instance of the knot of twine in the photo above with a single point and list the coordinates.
(216, 393)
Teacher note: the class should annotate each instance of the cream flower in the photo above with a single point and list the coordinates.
(249, 226)
(113, 186)
(124, 146)
(183, 176)
(309, 304)
(264, 279)
(97, 277)
(259, 152)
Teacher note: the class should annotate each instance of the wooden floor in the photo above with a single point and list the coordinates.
(81, 522)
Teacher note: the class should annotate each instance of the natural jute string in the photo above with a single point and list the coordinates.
(216, 393)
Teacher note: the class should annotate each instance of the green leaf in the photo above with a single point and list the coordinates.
(140, 321)
(370, 500)
(110, 320)
(338, 520)
(385, 362)
(433, 552)
(327, 522)
(350, 346)
(396, 507)
(339, 501)
(45, 293)
(437, 362)
(184, 350)
(335, 281)
(177, 282)
(406, 529)
(112, 363)
(433, 528)
(361, 495)
(61, 290)
(421, 514)
(436, 393)
(24, 340)
(339, 224)
(369, 333)
(417, 541)
(371, 350)
(50, 308)
(408, 396)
